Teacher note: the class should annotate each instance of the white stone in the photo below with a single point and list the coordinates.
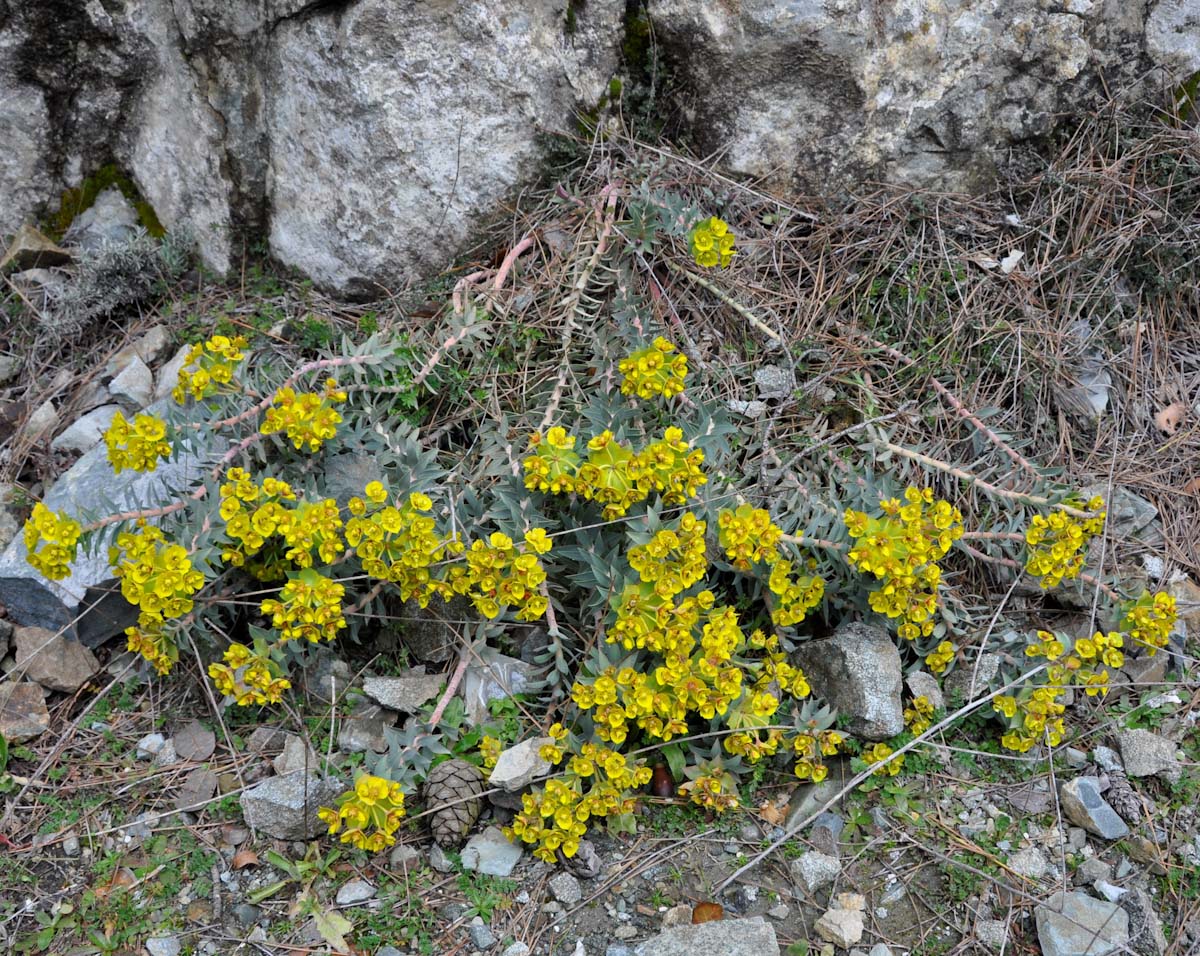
(168, 375)
(41, 422)
(519, 765)
(134, 385)
(813, 871)
(356, 891)
(87, 431)
(841, 927)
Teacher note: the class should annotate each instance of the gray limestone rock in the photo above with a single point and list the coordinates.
(90, 487)
(1083, 806)
(566, 889)
(1147, 754)
(52, 660)
(286, 807)
(730, 937)
(1075, 924)
(364, 728)
(813, 871)
(858, 672)
(924, 684)
(490, 853)
(109, 219)
(85, 432)
(23, 712)
(134, 384)
(517, 766)
(403, 694)
(821, 96)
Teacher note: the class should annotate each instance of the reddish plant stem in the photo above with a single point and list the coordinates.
(455, 680)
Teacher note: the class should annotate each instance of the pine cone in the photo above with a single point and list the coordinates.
(452, 792)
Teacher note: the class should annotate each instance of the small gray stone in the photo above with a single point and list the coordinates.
(730, 937)
(1146, 673)
(356, 891)
(297, 754)
(566, 889)
(825, 833)
(970, 678)
(439, 861)
(879, 949)
(1108, 890)
(168, 375)
(858, 669)
(1083, 805)
(992, 933)
(493, 677)
(86, 431)
(481, 934)
(163, 946)
(517, 766)
(23, 712)
(134, 385)
(1093, 870)
(1076, 759)
(1147, 754)
(490, 853)
(10, 365)
(924, 684)
(266, 740)
(246, 914)
(751, 409)
(404, 694)
(774, 382)
(150, 746)
(780, 912)
(1107, 759)
(286, 807)
(842, 927)
(678, 915)
(1029, 862)
(1146, 935)
(70, 845)
(518, 949)
(405, 858)
(1076, 838)
(1075, 924)
(814, 870)
(53, 661)
(41, 422)
(109, 220)
(363, 729)
(614, 949)
(626, 931)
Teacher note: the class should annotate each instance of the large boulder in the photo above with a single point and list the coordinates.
(858, 672)
(369, 141)
(834, 93)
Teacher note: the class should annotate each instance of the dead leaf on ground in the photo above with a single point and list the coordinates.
(197, 790)
(195, 742)
(707, 912)
(1029, 800)
(244, 858)
(1170, 418)
(772, 814)
(1192, 487)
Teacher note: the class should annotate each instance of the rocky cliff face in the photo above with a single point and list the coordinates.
(828, 94)
(367, 139)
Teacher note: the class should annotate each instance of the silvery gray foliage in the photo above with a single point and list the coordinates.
(114, 275)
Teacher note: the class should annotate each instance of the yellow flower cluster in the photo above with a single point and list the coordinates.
(939, 659)
(309, 530)
(796, 595)
(613, 475)
(309, 607)
(139, 446)
(712, 243)
(51, 541)
(674, 559)
(1033, 715)
(209, 367)
(595, 784)
(489, 751)
(811, 749)
(158, 579)
(156, 576)
(308, 418)
(748, 536)
(653, 371)
(152, 643)
(877, 755)
(370, 813)
(715, 790)
(497, 576)
(248, 678)
(1057, 545)
(552, 466)
(901, 548)
(1149, 620)
(919, 717)
(398, 544)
